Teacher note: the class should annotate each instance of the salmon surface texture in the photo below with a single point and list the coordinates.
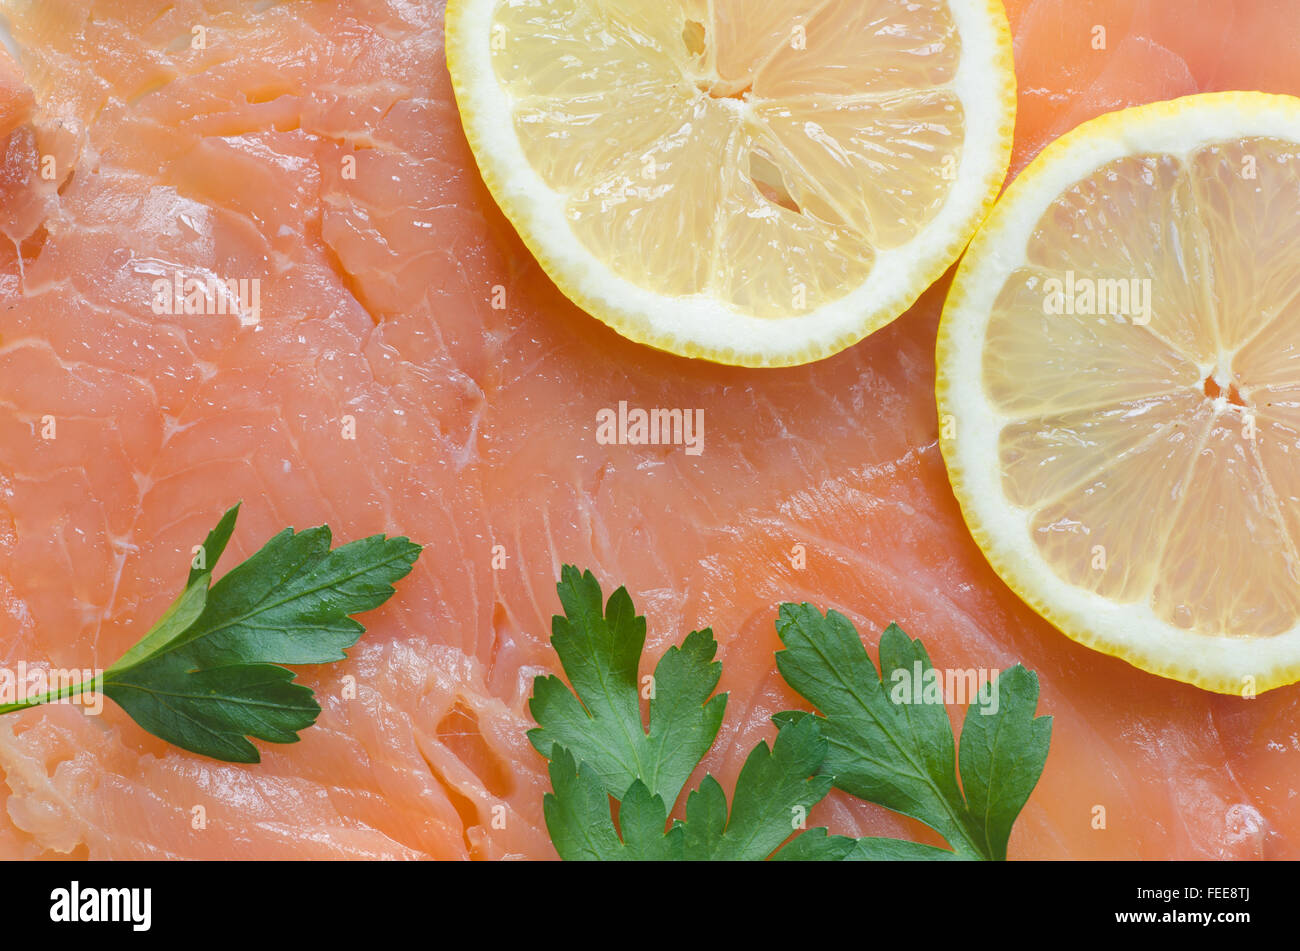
(316, 148)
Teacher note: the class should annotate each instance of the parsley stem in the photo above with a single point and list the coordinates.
(67, 691)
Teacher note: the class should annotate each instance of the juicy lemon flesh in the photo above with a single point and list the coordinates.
(758, 154)
(1156, 448)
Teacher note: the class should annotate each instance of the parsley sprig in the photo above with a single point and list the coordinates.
(901, 756)
(208, 675)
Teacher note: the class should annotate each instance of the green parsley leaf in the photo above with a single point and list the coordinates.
(601, 726)
(1002, 757)
(207, 675)
(581, 827)
(773, 794)
(902, 755)
(599, 747)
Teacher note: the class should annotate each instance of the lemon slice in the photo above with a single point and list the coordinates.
(760, 184)
(1119, 388)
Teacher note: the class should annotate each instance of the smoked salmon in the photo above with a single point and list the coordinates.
(409, 370)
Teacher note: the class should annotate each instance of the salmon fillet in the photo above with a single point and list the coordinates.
(316, 148)
(16, 100)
